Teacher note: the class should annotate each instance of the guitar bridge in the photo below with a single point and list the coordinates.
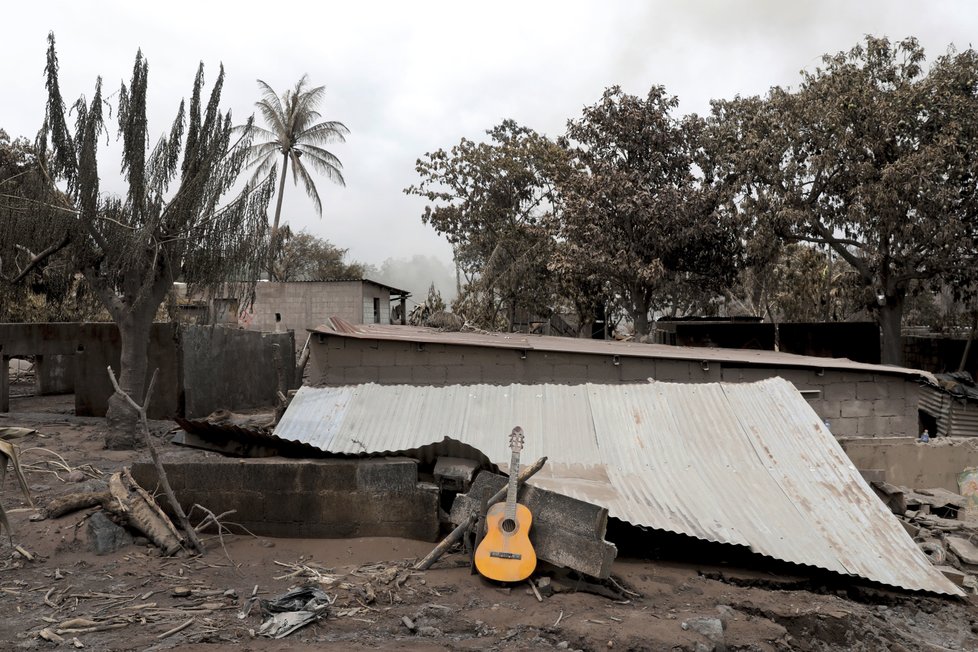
(505, 555)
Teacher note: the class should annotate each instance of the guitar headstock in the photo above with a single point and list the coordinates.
(516, 439)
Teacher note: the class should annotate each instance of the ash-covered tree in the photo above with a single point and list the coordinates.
(491, 200)
(641, 214)
(873, 156)
(35, 287)
(305, 257)
(294, 134)
(174, 222)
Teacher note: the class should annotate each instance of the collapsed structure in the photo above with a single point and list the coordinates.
(743, 464)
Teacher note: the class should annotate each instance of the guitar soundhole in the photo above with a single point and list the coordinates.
(508, 525)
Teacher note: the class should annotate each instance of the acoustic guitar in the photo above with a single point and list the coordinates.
(505, 553)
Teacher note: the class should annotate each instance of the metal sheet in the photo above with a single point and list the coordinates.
(747, 464)
(520, 341)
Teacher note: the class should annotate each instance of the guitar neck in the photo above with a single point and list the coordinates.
(514, 471)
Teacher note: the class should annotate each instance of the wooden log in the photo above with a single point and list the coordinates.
(141, 515)
(68, 503)
(455, 535)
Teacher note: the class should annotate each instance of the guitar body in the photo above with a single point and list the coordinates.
(505, 553)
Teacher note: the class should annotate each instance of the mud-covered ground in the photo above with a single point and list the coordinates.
(690, 597)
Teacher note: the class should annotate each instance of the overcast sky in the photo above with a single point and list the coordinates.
(410, 77)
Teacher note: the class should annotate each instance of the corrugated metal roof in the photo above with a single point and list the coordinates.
(956, 416)
(747, 463)
(522, 341)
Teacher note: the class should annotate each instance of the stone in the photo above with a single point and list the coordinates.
(75, 476)
(105, 536)
(710, 628)
(964, 549)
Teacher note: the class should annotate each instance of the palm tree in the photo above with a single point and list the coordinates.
(295, 133)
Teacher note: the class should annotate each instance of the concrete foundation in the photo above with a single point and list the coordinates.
(334, 498)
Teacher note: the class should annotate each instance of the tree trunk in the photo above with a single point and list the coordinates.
(134, 334)
(640, 314)
(273, 242)
(890, 317)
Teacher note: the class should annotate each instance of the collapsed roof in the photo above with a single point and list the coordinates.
(747, 464)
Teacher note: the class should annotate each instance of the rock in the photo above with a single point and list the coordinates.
(964, 549)
(75, 476)
(431, 632)
(180, 592)
(545, 587)
(105, 536)
(727, 614)
(710, 628)
(140, 541)
(563, 645)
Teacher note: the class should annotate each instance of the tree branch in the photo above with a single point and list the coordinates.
(189, 530)
(41, 257)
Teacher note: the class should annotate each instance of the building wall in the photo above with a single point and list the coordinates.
(230, 368)
(856, 404)
(910, 464)
(304, 305)
(201, 368)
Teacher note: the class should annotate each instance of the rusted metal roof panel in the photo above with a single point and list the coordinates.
(521, 341)
(747, 464)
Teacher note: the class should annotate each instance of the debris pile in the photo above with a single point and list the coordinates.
(937, 521)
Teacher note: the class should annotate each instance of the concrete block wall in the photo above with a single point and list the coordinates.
(328, 498)
(854, 403)
(306, 305)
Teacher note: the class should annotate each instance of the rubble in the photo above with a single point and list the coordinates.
(938, 521)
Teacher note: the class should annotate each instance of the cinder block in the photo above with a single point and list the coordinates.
(603, 371)
(844, 427)
(870, 391)
(399, 375)
(427, 375)
(889, 407)
(664, 370)
(357, 375)
(459, 375)
(388, 474)
(538, 370)
(856, 408)
(873, 427)
(839, 391)
(564, 373)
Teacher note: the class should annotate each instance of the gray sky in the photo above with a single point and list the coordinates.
(410, 77)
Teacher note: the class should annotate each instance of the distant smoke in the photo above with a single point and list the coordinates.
(415, 274)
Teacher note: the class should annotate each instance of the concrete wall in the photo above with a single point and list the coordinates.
(232, 368)
(304, 305)
(98, 347)
(200, 368)
(330, 498)
(910, 464)
(855, 403)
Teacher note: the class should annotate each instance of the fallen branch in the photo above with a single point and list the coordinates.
(161, 472)
(178, 628)
(61, 505)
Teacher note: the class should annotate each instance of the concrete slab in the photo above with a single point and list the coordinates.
(566, 532)
(964, 549)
